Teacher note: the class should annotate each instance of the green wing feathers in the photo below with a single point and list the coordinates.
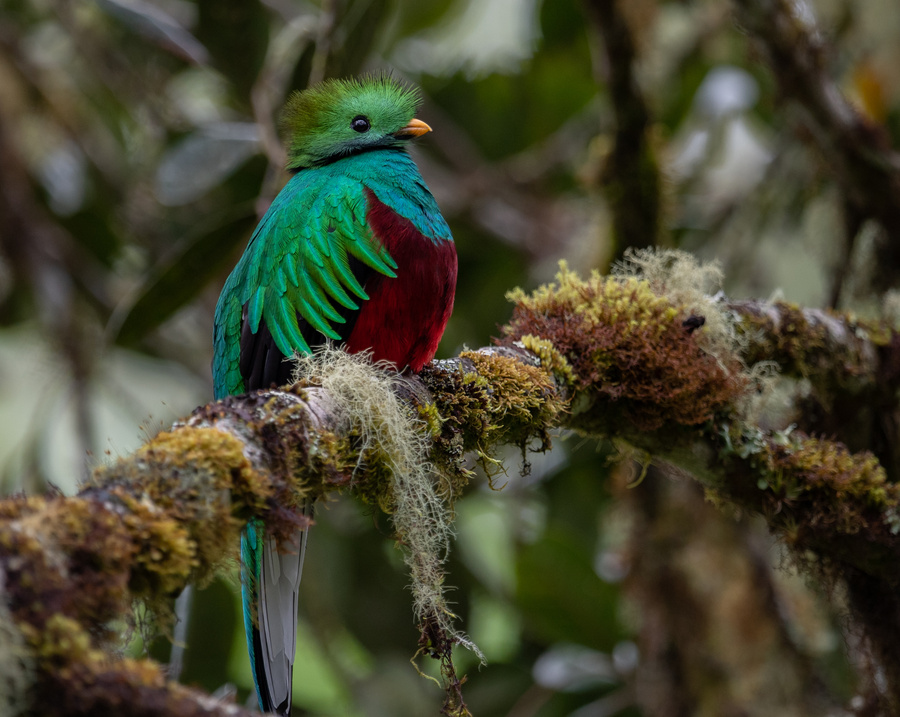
(298, 260)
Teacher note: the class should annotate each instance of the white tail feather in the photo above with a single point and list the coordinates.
(279, 588)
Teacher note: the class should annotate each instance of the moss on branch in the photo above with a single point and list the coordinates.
(629, 354)
(485, 399)
(623, 357)
(636, 367)
(836, 351)
(70, 567)
(815, 494)
(142, 527)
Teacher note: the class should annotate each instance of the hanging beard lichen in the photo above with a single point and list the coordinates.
(394, 472)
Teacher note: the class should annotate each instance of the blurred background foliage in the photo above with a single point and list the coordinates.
(139, 147)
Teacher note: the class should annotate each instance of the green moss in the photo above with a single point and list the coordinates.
(880, 333)
(431, 417)
(795, 343)
(377, 484)
(493, 400)
(327, 463)
(63, 640)
(844, 485)
(521, 400)
(826, 464)
(166, 555)
(802, 344)
(809, 485)
(626, 353)
(628, 302)
(551, 359)
(188, 491)
(84, 680)
(214, 456)
(66, 556)
(290, 439)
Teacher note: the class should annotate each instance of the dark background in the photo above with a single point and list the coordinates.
(138, 149)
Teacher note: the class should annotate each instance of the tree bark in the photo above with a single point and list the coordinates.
(149, 523)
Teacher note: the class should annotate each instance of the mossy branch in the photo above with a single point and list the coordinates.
(625, 357)
(638, 370)
(838, 352)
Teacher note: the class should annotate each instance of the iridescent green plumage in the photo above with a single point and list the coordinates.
(315, 120)
(320, 266)
(298, 258)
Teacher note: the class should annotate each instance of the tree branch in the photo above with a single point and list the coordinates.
(607, 357)
(836, 351)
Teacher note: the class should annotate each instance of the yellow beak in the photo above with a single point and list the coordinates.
(415, 128)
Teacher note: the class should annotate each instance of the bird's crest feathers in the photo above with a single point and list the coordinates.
(318, 121)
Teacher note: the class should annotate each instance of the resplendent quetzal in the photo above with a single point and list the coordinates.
(354, 249)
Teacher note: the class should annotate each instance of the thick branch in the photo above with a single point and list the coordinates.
(606, 357)
(853, 367)
(147, 524)
(837, 352)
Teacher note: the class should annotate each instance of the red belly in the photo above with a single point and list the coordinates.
(404, 318)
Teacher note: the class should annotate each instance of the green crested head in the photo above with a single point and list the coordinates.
(340, 117)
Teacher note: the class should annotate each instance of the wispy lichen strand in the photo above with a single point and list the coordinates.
(394, 446)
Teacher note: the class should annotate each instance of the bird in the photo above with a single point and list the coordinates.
(353, 250)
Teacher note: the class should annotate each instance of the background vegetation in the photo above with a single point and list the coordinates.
(138, 148)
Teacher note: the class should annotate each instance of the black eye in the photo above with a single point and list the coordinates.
(360, 124)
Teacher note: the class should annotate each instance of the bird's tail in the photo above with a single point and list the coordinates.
(270, 585)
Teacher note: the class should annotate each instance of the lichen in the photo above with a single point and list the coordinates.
(690, 284)
(393, 472)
